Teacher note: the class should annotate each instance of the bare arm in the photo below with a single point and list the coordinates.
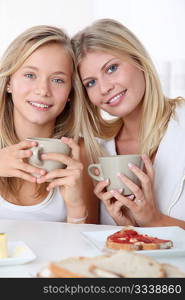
(164, 220)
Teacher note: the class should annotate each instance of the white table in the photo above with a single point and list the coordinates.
(53, 241)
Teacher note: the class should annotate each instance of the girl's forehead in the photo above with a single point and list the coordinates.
(54, 56)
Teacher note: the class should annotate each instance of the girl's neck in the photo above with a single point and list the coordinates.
(34, 130)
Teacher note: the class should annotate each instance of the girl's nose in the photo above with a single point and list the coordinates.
(42, 89)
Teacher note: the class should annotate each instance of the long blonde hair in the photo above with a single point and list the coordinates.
(67, 123)
(111, 36)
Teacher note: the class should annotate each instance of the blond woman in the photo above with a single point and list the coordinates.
(119, 78)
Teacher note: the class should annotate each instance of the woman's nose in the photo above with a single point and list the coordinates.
(106, 87)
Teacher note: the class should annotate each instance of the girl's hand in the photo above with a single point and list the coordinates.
(12, 162)
(115, 208)
(143, 207)
(69, 179)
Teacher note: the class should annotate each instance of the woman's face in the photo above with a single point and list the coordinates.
(40, 87)
(112, 83)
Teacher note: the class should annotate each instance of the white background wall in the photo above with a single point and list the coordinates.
(160, 25)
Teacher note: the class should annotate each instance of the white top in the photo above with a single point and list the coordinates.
(169, 166)
(50, 209)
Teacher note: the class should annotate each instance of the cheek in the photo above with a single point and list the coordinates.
(141, 85)
(137, 82)
(20, 88)
(93, 95)
(61, 96)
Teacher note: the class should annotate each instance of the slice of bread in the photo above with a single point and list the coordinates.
(130, 239)
(129, 264)
(120, 264)
(172, 271)
(74, 267)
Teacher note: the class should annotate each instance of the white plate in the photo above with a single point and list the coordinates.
(176, 234)
(18, 253)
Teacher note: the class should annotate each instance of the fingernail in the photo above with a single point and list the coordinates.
(42, 172)
(131, 197)
(120, 190)
(34, 143)
(107, 180)
(113, 192)
(64, 138)
(130, 165)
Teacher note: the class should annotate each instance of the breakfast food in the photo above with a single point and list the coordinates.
(121, 264)
(130, 239)
(74, 267)
(128, 264)
(3, 246)
(172, 271)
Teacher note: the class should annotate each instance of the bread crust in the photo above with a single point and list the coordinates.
(172, 271)
(61, 272)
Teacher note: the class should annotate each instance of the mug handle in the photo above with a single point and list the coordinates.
(96, 177)
(37, 151)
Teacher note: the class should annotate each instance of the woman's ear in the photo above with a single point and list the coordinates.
(8, 88)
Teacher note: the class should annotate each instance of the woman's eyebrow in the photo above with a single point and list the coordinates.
(102, 67)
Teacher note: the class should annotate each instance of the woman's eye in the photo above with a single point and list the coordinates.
(112, 68)
(29, 75)
(90, 83)
(58, 80)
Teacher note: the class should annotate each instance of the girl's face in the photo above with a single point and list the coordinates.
(40, 87)
(112, 83)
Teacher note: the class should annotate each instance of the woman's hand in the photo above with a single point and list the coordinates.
(12, 162)
(69, 179)
(143, 207)
(117, 211)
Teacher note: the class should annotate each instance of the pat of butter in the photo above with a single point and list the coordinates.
(3, 246)
(18, 251)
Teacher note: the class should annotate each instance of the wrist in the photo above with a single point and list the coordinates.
(157, 221)
(77, 215)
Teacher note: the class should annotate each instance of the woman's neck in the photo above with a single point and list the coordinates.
(131, 125)
(127, 140)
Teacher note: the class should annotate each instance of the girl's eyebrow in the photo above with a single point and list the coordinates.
(102, 67)
(36, 69)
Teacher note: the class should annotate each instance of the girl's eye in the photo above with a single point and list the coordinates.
(90, 83)
(29, 75)
(57, 80)
(112, 68)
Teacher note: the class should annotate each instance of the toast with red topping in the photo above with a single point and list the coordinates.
(130, 239)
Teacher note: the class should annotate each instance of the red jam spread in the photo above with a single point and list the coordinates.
(131, 236)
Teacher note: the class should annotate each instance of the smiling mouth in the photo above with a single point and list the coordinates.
(116, 98)
(39, 105)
